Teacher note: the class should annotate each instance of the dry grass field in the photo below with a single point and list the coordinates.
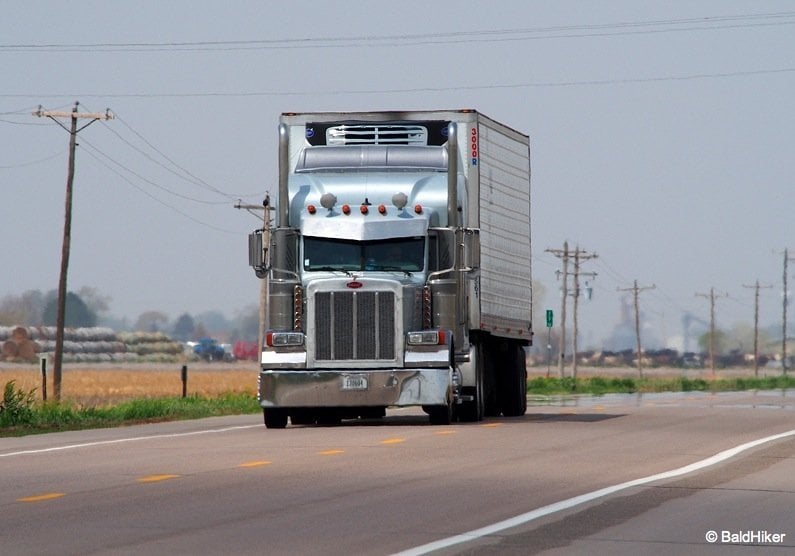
(99, 385)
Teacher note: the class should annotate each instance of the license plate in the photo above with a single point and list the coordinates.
(354, 382)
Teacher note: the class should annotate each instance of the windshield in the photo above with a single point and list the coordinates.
(405, 254)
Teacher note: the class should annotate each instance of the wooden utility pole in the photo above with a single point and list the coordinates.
(263, 288)
(564, 256)
(73, 130)
(784, 315)
(578, 255)
(756, 323)
(711, 296)
(635, 293)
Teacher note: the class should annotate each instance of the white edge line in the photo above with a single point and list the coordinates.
(122, 440)
(587, 497)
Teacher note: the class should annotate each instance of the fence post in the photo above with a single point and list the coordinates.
(184, 381)
(43, 367)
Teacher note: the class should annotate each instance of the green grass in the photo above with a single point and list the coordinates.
(55, 417)
(597, 385)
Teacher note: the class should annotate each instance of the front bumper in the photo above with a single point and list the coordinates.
(355, 387)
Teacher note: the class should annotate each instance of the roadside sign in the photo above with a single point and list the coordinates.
(549, 318)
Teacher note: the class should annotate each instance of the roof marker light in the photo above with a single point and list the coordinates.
(364, 209)
(418, 208)
(311, 209)
(382, 209)
(346, 209)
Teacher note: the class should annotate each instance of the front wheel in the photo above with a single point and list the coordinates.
(275, 418)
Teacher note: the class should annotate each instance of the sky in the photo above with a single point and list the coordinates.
(661, 134)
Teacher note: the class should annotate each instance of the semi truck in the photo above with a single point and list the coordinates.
(398, 268)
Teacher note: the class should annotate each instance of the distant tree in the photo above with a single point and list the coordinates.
(200, 332)
(25, 309)
(77, 312)
(151, 321)
(183, 328)
(214, 322)
(95, 301)
(248, 324)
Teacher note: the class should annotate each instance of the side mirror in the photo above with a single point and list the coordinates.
(257, 253)
(471, 249)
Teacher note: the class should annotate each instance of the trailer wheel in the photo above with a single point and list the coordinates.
(275, 418)
(513, 386)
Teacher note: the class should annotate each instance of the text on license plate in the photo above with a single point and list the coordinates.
(354, 382)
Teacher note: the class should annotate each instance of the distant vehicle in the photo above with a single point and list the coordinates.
(245, 351)
(399, 273)
(209, 350)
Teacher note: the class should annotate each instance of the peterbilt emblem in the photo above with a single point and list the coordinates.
(354, 284)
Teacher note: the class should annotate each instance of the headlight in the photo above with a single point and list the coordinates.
(426, 338)
(284, 339)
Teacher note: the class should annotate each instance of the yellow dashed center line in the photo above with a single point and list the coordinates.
(157, 478)
(331, 452)
(393, 441)
(491, 425)
(448, 431)
(254, 463)
(42, 497)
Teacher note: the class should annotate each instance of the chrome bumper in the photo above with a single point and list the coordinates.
(355, 387)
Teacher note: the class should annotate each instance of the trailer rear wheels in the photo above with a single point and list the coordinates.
(513, 380)
(275, 418)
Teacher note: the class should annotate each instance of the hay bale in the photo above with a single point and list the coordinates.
(28, 350)
(19, 333)
(10, 349)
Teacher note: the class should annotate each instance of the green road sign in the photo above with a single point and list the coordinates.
(549, 318)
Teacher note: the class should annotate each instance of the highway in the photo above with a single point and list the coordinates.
(630, 474)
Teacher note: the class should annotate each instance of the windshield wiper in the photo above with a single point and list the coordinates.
(331, 269)
(392, 269)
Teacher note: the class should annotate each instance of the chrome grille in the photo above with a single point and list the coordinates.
(376, 134)
(354, 325)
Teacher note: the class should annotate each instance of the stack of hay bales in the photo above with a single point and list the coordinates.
(88, 345)
(151, 347)
(17, 344)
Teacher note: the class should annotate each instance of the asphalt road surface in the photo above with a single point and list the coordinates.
(652, 474)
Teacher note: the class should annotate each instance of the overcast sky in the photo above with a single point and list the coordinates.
(662, 137)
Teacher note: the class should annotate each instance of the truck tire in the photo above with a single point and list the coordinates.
(473, 411)
(275, 418)
(513, 383)
(303, 416)
(440, 414)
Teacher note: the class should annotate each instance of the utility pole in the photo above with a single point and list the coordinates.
(784, 316)
(73, 130)
(756, 323)
(711, 296)
(564, 256)
(579, 255)
(635, 292)
(263, 287)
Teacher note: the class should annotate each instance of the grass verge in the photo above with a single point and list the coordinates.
(57, 417)
(598, 385)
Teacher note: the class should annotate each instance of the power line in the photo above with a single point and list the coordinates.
(417, 39)
(528, 85)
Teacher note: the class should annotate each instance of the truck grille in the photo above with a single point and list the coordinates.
(355, 325)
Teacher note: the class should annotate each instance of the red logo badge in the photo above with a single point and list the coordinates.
(354, 285)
